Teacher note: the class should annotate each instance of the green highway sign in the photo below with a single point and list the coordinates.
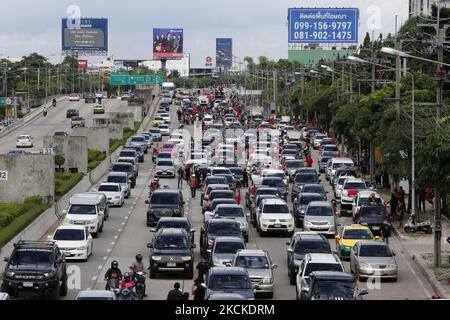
(121, 79)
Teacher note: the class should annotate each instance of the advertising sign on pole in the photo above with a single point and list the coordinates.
(323, 25)
(82, 64)
(224, 52)
(167, 43)
(89, 37)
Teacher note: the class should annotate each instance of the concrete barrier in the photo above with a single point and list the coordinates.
(121, 119)
(27, 175)
(97, 138)
(74, 150)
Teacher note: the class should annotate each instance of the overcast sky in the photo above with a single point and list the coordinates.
(258, 27)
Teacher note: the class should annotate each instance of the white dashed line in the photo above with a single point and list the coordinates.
(88, 288)
(134, 203)
(109, 250)
(105, 257)
(120, 230)
(123, 223)
(129, 212)
(131, 208)
(100, 267)
(94, 278)
(112, 243)
(115, 237)
(126, 218)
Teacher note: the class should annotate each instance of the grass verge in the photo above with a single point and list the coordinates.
(15, 217)
(95, 157)
(65, 181)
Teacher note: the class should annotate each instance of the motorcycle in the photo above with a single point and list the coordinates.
(412, 226)
(44, 113)
(126, 294)
(112, 284)
(139, 280)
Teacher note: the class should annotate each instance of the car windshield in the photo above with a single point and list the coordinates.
(172, 224)
(314, 189)
(127, 154)
(164, 198)
(165, 164)
(319, 211)
(341, 165)
(164, 156)
(274, 183)
(305, 200)
(310, 267)
(276, 208)
(252, 262)
(373, 212)
(69, 235)
(330, 148)
(357, 234)
(109, 188)
(305, 178)
(231, 247)
(350, 173)
(82, 209)
(118, 167)
(333, 288)
(223, 195)
(224, 229)
(374, 251)
(221, 171)
(228, 282)
(171, 242)
(216, 202)
(117, 179)
(32, 257)
(289, 151)
(138, 139)
(230, 212)
(355, 185)
(236, 171)
(324, 160)
(304, 247)
(154, 131)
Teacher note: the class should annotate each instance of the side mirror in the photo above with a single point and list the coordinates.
(149, 245)
(255, 287)
(393, 253)
(147, 201)
(49, 237)
(305, 289)
(152, 229)
(193, 246)
(5, 259)
(290, 250)
(192, 230)
(274, 266)
(377, 238)
(247, 215)
(94, 190)
(64, 211)
(288, 243)
(320, 180)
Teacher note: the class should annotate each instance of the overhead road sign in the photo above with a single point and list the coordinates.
(123, 79)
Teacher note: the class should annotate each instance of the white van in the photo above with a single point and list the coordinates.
(88, 210)
(338, 163)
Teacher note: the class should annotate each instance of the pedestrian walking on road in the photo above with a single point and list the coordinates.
(238, 196)
(175, 293)
(394, 203)
(180, 178)
(422, 196)
(245, 178)
(193, 184)
(386, 232)
(309, 161)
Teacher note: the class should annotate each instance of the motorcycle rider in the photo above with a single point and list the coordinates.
(154, 184)
(113, 272)
(138, 266)
(54, 102)
(44, 112)
(127, 282)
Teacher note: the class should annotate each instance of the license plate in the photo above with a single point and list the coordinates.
(277, 225)
(28, 284)
(171, 264)
(376, 228)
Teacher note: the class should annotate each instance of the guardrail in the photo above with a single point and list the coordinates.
(41, 225)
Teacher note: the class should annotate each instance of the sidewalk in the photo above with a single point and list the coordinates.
(420, 247)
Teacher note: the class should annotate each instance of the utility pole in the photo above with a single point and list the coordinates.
(351, 83)
(5, 79)
(398, 66)
(371, 145)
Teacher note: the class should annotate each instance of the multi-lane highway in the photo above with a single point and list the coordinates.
(126, 234)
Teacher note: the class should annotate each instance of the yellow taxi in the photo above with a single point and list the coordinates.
(158, 120)
(349, 235)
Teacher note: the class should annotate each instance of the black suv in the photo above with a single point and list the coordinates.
(170, 222)
(128, 168)
(302, 243)
(214, 228)
(36, 266)
(171, 251)
(375, 217)
(164, 203)
(89, 98)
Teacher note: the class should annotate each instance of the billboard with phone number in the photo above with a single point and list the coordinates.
(85, 36)
(323, 25)
(167, 43)
(224, 52)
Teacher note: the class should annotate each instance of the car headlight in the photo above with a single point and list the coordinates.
(186, 258)
(48, 274)
(82, 248)
(117, 197)
(244, 226)
(302, 211)
(364, 265)
(10, 274)
(330, 223)
(392, 266)
(156, 258)
(267, 280)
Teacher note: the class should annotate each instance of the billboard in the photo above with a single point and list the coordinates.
(86, 36)
(224, 52)
(167, 43)
(208, 62)
(323, 25)
(82, 64)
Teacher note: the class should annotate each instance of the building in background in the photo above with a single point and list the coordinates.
(11, 59)
(417, 7)
(182, 65)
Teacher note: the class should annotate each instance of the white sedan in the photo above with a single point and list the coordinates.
(24, 141)
(114, 193)
(74, 97)
(74, 241)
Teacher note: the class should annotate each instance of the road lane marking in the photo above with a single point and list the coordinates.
(129, 212)
(126, 218)
(123, 223)
(94, 278)
(105, 257)
(131, 208)
(120, 230)
(134, 203)
(112, 243)
(115, 237)
(109, 250)
(100, 267)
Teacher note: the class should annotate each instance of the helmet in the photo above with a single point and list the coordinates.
(114, 264)
(127, 276)
(139, 257)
